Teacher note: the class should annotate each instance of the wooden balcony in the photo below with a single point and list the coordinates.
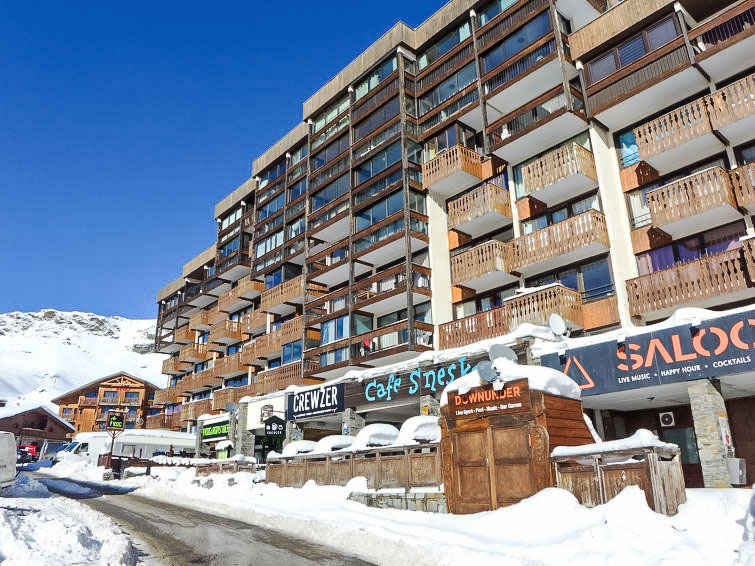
(269, 345)
(248, 288)
(569, 241)
(693, 204)
(676, 138)
(184, 335)
(230, 301)
(732, 110)
(743, 184)
(254, 322)
(452, 171)
(193, 353)
(724, 44)
(196, 381)
(190, 411)
(200, 320)
(709, 281)
(221, 397)
(173, 421)
(282, 298)
(481, 210)
(215, 315)
(166, 395)
(226, 332)
(560, 175)
(174, 366)
(483, 267)
(230, 366)
(277, 379)
(88, 401)
(748, 253)
(534, 308)
(249, 354)
(157, 421)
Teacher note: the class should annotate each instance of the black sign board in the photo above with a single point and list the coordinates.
(215, 431)
(485, 401)
(713, 348)
(324, 400)
(275, 427)
(116, 420)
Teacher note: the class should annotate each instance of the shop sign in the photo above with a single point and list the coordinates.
(429, 380)
(215, 431)
(714, 348)
(485, 401)
(275, 427)
(324, 400)
(116, 420)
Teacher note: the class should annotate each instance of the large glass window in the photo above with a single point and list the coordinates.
(329, 193)
(380, 162)
(593, 280)
(328, 115)
(376, 119)
(378, 211)
(230, 219)
(560, 214)
(456, 134)
(271, 207)
(269, 244)
(330, 152)
(296, 190)
(375, 78)
(516, 42)
(291, 352)
(334, 330)
(271, 174)
(446, 89)
(229, 248)
(334, 356)
(444, 45)
(492, 10)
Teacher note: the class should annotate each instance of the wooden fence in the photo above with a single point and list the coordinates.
(225, 468)
(658, 474)
(400, 467)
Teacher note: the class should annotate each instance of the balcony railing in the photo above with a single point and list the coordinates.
(535, 308)
(731, 103)
(193, 353)
(479, 202)
(558, 239)
(198, 380)
(229, 365)
(200, 320)
(387, 282)
(190, 411)
(254, 322)
(672, 129)
(88, 401)
(705, 279)
(277, 379)
(157, 421)
(221, 397)
(215, 315)
(331, 303)
(184, 335)
(478, 262)
(226, 332)
(249, 354)
(724, 30)
(167, 395)
(690, 196)
(558, 165)
(743, 184)
(293, 290)
(453, 160)
(389, 337)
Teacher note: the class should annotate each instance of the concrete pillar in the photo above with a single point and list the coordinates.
(440, 262)
(243, 439)
(708, 411)
(198, 439)
(429, 405)
(351, 422)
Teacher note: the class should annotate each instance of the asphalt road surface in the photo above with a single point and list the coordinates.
(176, 536)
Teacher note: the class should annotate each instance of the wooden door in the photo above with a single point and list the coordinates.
(471, 474)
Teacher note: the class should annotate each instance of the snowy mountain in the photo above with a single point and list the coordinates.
(44, 354)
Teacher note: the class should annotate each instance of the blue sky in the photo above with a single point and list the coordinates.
(121, 126)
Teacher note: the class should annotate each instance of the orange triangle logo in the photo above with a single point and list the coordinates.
(590, 383)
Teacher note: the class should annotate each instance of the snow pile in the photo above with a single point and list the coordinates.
(299, 447)
(643, 438)
(747, 548)
(38, 529)
(374, 435)
(418, 429)
(332, 443)
(45, 354)
(180, 461)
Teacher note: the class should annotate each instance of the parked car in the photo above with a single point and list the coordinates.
(7, 459)
(50, 448)
(23, 456)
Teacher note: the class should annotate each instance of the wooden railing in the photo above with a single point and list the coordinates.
(226, 330)
(199, 320)
(672, 129)
(558, 239)
(215, 315)
(221, 397)
(487, 198)
(743, 184)
(400, 467)
(230, 298)
(193, 352)
(292, 290)
(173, 420)
(85, 401)
(556, 165)
(277, 379)
(612, 23)
(174, 365)
(479, 261)
(166, 395)
(748, 254)
(732, 102)
(249, 354)
(704, 278)
(204, 378)
(254, 321)
(157, 421)
(689, 196)
(718, 33)
(190, 411)
(229, 365)
(248, 287)
(453, 160)
(533, 307)
(184, 335)
(268, 344)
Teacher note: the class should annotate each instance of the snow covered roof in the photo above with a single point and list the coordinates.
(643, 438)
(9, 411)
(72, 392)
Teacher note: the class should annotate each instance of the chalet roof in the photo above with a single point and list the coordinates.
(10, 411)
(100, 380)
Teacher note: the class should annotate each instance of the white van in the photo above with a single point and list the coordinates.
(7, 459)
(131, 443)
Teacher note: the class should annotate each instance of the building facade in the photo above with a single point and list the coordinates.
(87, 406)
(502, 162)
(33, 425)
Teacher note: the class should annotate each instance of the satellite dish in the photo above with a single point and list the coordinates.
(486, 371)
(231, 407)
(501, 351)
(557, 324)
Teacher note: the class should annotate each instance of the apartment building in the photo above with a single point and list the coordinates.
(86, 407)
(501, 162)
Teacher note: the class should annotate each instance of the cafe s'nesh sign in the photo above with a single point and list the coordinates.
(713, 348)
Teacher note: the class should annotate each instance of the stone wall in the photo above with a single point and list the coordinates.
(431, 502)
(707, 406)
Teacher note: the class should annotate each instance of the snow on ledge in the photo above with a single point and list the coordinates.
(643, 438)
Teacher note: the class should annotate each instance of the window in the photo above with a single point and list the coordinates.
(446, 89)
(291, 352)
(361, 323)
(330, 152)
(295, 228)
(376, 119)
(335, 329)
(237, 381)
(67, 411)
(560, 214)
(444, 45)
(329, 115)
(378, 163)
(132, 395)
(268, 244)
(374, 79)
(492, 10)
(417, 202)
(457, 134)
(230, 219)
(284, 273)
(110, 394)
(378, 211)
(632, 49)
(271, 174)
(271, 207)
(228, 248)
(516, 42)
(330, 193)
(296, 190)
(202, 338)
(235, 349)
(593, 280)
(334, 356)
(298, 154)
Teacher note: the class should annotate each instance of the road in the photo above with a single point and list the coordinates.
(170, 535)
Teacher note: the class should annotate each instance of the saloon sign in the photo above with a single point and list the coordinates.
(714, 348)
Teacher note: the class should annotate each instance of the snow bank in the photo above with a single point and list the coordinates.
(418, 429)
(179, 461)
(373, 435)
(298, 447)
(332, 443)
(640, 439)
